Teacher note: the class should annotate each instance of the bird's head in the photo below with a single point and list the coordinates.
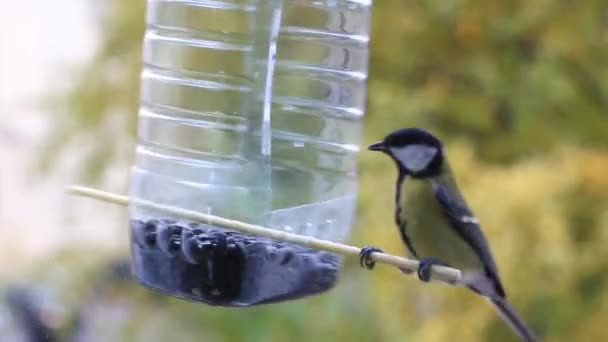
(417, 152)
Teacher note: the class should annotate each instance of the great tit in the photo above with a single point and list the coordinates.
(436, 224)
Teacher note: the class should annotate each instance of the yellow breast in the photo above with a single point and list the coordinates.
(429, 230)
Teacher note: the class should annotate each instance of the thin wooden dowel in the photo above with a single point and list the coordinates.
(445, 274)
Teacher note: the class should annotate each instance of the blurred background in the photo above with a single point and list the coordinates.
(518, 90)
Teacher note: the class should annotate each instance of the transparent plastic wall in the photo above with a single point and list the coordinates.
(250, 110)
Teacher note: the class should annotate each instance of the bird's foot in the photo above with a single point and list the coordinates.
(424, 268)
(405, 270)
(365, 259)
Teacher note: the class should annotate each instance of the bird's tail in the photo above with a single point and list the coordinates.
(508, 313)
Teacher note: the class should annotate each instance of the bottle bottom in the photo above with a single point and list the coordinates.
(208, 264)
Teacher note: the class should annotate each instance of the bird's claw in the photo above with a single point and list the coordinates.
(424, 268)
(405, 270)
(365, 257)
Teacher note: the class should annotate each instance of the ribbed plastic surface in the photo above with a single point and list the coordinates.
(250, 110)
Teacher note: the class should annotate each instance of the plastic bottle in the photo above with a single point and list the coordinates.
(250, 110)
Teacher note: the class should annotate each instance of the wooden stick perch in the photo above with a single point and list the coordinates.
(445, 274)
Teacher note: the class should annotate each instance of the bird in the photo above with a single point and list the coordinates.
(437, 225)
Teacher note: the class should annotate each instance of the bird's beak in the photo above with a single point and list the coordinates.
(379, 146)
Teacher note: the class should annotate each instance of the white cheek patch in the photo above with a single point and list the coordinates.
(415, 157)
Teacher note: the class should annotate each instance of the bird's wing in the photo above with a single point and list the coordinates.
(467, 226)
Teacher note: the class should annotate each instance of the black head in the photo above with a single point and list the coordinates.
(417, 152)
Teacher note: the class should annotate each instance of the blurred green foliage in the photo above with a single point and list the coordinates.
(514, 77)
(519, 91)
